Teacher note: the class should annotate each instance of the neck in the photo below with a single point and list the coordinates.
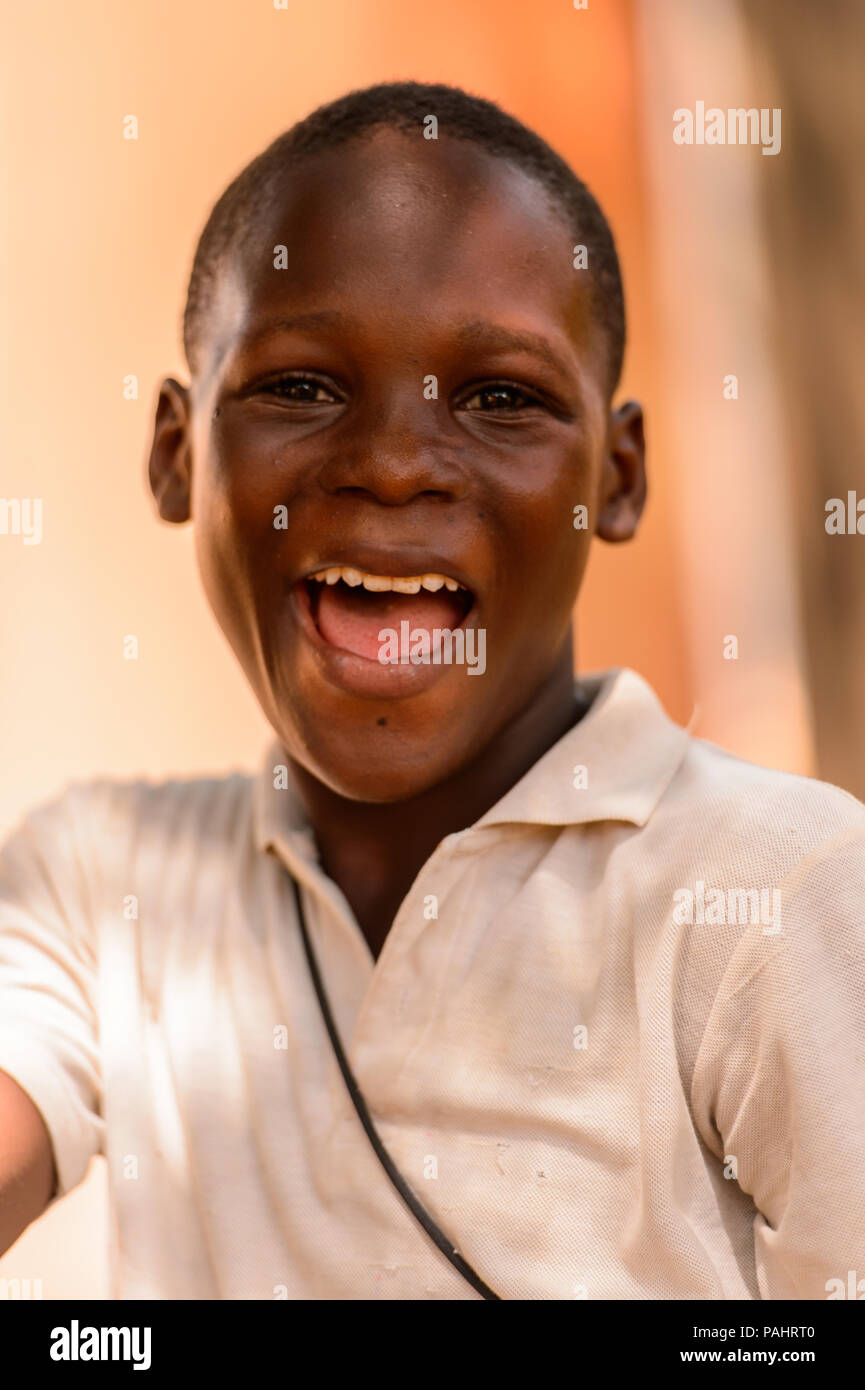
(374, 851)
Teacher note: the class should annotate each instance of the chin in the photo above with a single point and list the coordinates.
(379, 764)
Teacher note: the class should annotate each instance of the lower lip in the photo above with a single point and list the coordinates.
(357, 674)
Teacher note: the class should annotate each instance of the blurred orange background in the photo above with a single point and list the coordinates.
(100, 232)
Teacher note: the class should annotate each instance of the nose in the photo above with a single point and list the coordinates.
(395, 453)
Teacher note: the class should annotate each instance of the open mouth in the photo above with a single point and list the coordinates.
(351, 607)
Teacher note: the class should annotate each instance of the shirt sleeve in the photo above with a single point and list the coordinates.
(48, 974)
(778, 1091)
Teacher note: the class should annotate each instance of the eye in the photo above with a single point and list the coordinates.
(501, 397)
(298, 390)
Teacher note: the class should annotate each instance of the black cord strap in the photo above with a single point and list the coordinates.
(422, 1215)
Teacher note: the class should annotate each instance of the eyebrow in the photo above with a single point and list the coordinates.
(495, 338)
(477, 333)
(271, 328)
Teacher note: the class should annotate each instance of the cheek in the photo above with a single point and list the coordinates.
(235, 493)
(549, 519)
(233, 532)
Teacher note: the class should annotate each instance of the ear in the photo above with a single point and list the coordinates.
(170, 469)
(623, 478)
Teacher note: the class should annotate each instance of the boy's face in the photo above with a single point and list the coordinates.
(420, 391)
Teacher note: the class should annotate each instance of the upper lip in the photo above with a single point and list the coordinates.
(398, 563)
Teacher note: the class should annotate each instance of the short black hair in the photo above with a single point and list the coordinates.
(404, 106)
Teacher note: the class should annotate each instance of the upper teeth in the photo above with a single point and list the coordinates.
(381, 583)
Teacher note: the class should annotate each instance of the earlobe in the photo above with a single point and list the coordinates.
(623, 480)
(170, 467)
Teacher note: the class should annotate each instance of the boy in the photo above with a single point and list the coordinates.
(599, 983)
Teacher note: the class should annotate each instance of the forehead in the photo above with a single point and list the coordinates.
(415, 237)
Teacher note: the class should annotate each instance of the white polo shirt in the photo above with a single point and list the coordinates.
(593, 1095)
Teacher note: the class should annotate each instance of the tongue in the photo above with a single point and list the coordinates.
(353, 618)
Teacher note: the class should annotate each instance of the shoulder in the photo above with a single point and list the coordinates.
(736, 810)
(208, 801)
(760, 877)
(92, 827)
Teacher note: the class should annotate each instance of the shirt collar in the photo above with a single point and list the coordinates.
(615, 764)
